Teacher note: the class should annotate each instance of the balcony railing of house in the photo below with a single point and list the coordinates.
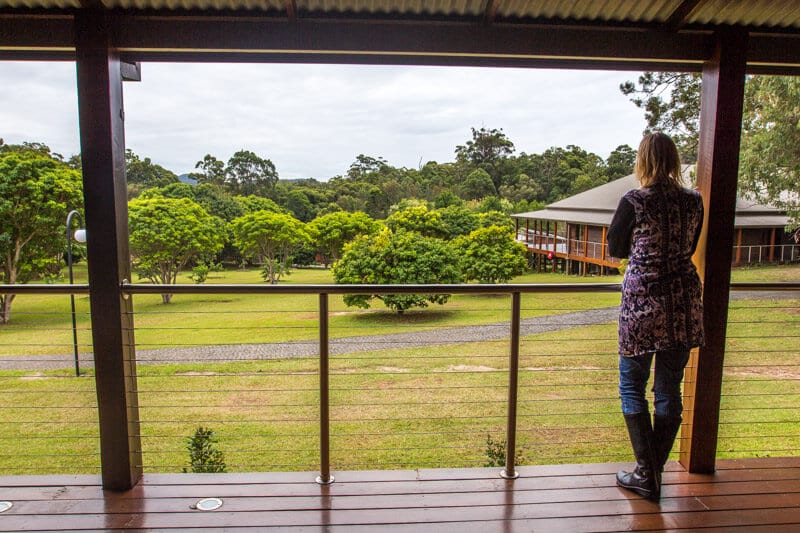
(776, 253)
(499, 375)
(745, 254)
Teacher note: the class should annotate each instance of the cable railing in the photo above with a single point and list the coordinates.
(49, 422)
(291, 379)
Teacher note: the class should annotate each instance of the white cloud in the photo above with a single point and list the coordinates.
(313, 120)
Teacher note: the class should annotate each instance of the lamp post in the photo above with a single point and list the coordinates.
(79, 236)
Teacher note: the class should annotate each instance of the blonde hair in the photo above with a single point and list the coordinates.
(657, 161)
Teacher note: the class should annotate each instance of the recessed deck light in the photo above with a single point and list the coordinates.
(208, 504)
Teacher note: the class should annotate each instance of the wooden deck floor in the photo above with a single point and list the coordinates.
(754, 495)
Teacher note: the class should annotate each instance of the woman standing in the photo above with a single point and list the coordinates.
(657, 228)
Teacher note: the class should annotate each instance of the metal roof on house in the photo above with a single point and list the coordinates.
(596, 207)
(766, 14)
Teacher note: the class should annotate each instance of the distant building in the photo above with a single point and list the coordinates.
(571, 234)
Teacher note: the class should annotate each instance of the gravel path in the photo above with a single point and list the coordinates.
(417, 338)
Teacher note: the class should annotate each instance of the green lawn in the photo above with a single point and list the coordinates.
(432, 406)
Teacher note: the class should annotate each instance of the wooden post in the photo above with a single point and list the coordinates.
(104, 189)
(738, 246)
(718, 160)
(772, 246)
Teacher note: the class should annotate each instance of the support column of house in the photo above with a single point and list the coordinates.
(772, 246)
(738, 246)
(718, 160)
(105, 200)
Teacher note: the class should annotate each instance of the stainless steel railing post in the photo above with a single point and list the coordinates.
(325, 477)
(510, 472)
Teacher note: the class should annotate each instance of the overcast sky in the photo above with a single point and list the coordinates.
(313, 120)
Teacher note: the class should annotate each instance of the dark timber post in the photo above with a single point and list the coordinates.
(103, 157)
(717, 171)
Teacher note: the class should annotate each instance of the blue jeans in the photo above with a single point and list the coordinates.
(634, 373)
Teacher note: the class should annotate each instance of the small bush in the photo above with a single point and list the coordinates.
(203, 456)
(496, 453)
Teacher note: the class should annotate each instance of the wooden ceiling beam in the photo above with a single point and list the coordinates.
(291, 10)
(681, 15)
(490, 12)
(264, 39)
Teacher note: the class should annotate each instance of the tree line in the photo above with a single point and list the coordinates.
(375, 214)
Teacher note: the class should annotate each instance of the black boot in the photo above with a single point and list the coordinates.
(665, 429)
(644, 479)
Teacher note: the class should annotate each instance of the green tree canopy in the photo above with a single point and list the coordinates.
(457, 220)
(478, 184)
(269, 237)
(143, 173)
(405, 257)
(417, 218)
(247, 173)
(212, 171)
(769, 166)
(168, 234)
(671, 101)
(620, 162)
(36, 193)
(332, 231)
(253, 203)
(491, 255)
(770, 144)
(212, 198)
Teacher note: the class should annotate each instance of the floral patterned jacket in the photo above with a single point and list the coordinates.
(657, 229)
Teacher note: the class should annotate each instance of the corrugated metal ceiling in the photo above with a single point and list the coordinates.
(754, 13)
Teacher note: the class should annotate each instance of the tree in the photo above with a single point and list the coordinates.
(478, 184)
(214, 200)
(167, 234)
(247, 173)
(332, 231)
(486, 147)
(495, 218)
(671, 101)
(769, 166)
(144, 174)
(298, 203)
(417, 218)
(212, 171)
(271, 238)
(620, 162)
(770, 146)
(405, 257)
(457, 220)
(488, 150)
(491, 255)
(36, 193)
(253, 203)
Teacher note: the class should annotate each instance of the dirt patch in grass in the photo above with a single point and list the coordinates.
(469, 368)
(771, 372)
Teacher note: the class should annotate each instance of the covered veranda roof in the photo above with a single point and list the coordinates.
(615, 34)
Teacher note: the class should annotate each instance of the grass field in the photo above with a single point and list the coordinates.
(431, 406)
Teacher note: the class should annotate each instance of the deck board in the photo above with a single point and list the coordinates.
(743, 495)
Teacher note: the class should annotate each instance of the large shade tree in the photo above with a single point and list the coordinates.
(403, 257)
(37, 191)
(271, 238)
(168, 234)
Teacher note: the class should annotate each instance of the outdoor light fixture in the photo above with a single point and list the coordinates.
(78, 236)
(5, 506)
(208, 504)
